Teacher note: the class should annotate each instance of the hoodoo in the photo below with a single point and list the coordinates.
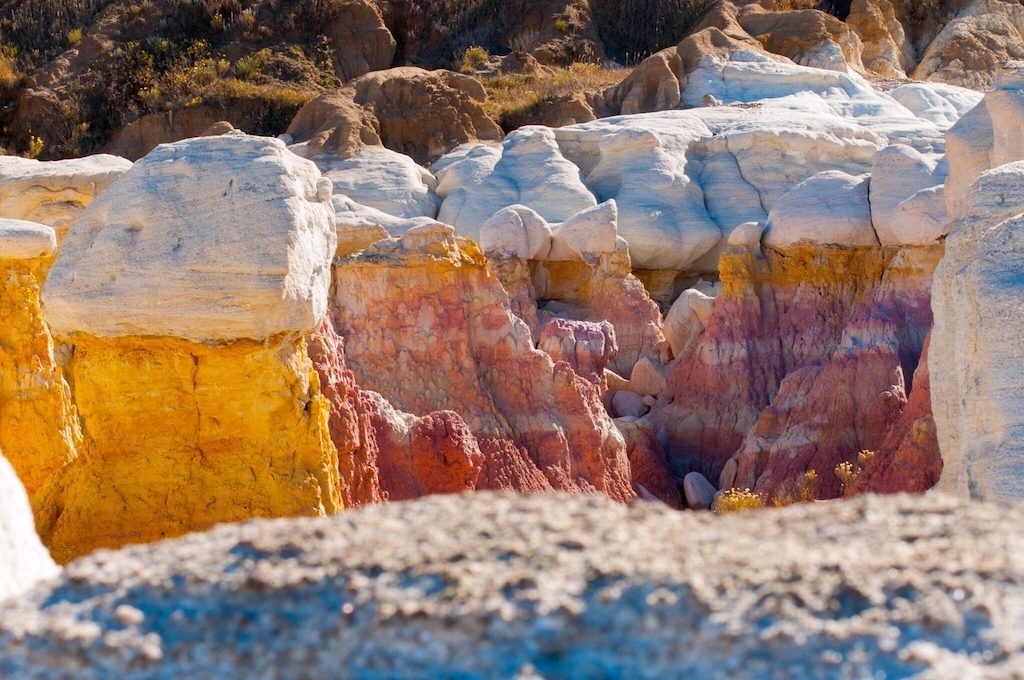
(185, 293)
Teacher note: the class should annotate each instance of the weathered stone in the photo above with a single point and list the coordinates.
(54, 192)
(209, 239)
(184, 292)
(39, 431)
(428, 326)
(23, 559)
(449, 586)
(978, 342)
(628, 404)
(699, 492)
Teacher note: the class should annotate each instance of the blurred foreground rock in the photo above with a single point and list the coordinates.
(487, 585)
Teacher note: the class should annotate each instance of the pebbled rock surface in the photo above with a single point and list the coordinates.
(494, 586)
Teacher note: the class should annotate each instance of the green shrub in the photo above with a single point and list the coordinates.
(473, 59)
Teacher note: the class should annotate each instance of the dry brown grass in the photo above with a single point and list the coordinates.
(512, 97)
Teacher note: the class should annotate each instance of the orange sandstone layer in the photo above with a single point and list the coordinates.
(180, 436)
(38, 426)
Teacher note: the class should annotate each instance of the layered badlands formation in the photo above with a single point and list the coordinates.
(781, 278)
(185, 347)
(790, 281)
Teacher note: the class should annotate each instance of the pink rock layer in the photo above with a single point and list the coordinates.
(802, 366)
(908, 460)
(430, 328)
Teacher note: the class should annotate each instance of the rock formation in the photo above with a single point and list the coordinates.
(499, 586)
(197, 398)
(54, 192)
(38, 426)
(430, 328)
(806, 304)
(908, 460)
(385, 454)
(887, 49)
(23, 559)
(807, 37)
(966, 52)
(975, 351)
(986, 137)
(851, 398)
(422, 114)
(969, 50)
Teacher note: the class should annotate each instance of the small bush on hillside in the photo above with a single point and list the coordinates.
(473, 59)
(35, 146)
(9, 75)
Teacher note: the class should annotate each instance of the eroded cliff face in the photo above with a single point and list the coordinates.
(909, 460)
(39, 430)
(775, 315)
(429, 327)
(850, 399)
(385, 454)
(186, 352)
(179, 436)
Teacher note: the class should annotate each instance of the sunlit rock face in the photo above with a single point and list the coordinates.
(55, 192)
(788, 226)
(38, 427)
(185, 293)
(429, 327)
(977, 348)
(23, 559)
(739, 285)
